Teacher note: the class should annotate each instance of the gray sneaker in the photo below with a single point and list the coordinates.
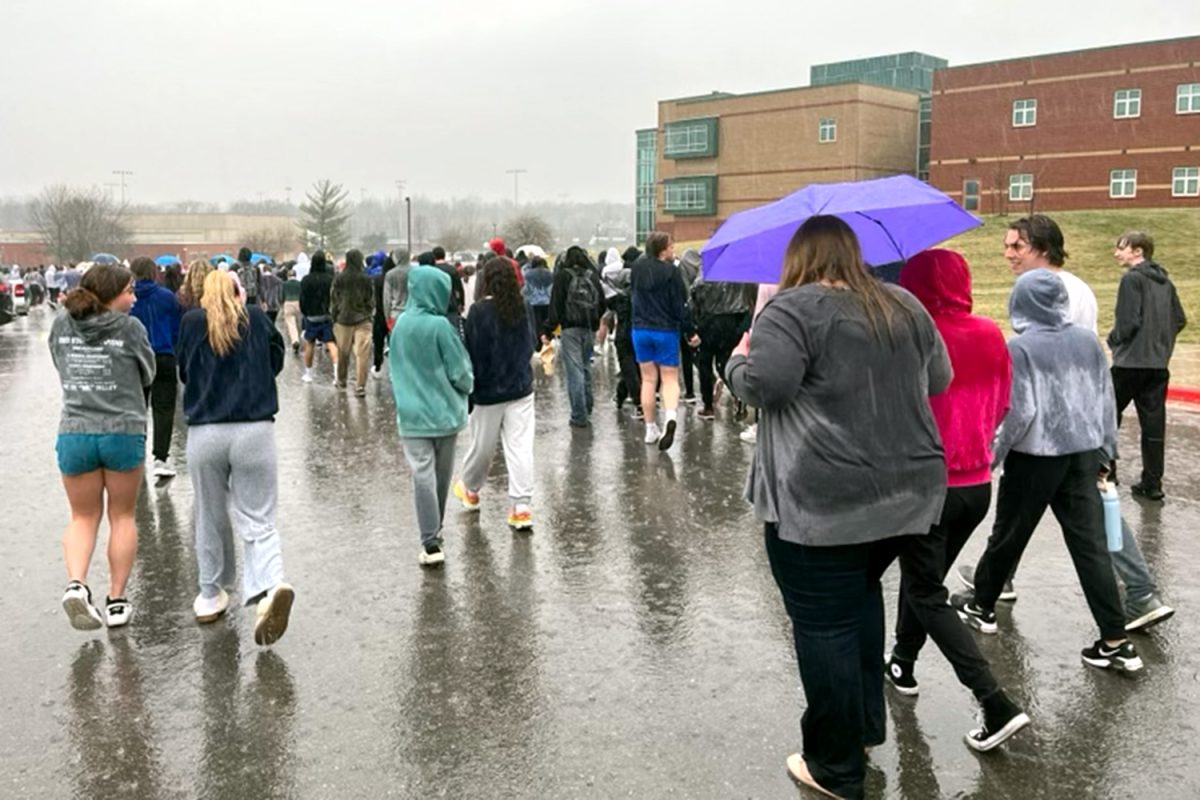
(966, 574)
(1145, 613)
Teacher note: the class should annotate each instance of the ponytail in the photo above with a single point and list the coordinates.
(100, 285)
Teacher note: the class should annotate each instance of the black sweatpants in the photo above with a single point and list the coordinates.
(379, 335)
(687, 366)
(1147, 389)
(630, 385)
(718, 336)
(1067, 485)
(160, 397)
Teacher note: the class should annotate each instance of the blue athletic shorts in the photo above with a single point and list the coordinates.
(319, 331)
(660, 347)
(85, 452)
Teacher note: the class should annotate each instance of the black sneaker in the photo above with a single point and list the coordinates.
(1120, 658)
(707, 413)
(668, 437)
(1147, 492)
(1001, 719)
(690, 399)
(900, 675)
(966, 574)
(982, 620)
(1145, 613)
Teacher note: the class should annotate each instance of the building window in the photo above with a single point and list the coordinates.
(694, 195)
(827, 130)
(1127, 103)
(1024, 113)
(1020, 187)
(691, 138)
(1187, 98)
(1185, 182)
(971, 195)
(1122, 183)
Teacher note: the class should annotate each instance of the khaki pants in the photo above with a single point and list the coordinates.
(291, 318)
(356, 339)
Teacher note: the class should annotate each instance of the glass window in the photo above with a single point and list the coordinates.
(1122, 183)
(971, 195)
(827, 130)
(1185, 182)
(1127, 103)
(1024, 113)
(690, 138)
(1020, 187)
(685, 196)
(1187, 98)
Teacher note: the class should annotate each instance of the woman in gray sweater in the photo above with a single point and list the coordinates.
(104, 363)
(848, 457)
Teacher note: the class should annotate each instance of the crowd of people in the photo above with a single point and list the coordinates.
(882, 410)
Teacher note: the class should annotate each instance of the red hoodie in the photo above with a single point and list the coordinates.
(968, 413)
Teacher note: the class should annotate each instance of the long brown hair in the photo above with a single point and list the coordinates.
(825, 248)
(193, 283)
(224, 313)
(98, 287)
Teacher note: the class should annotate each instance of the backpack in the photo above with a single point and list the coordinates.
(249, 277)
(583, 300)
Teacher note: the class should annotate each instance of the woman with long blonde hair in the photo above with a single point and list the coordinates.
(193, 283)
(229, 355)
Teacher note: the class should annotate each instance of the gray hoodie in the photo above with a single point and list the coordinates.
(104, 363)
(1062, 392)
(1149, 317)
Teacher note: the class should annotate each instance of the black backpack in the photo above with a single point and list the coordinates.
(583, 299)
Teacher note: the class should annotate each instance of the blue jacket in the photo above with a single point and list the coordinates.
(238, 386)
(158, 310)
(500, 354)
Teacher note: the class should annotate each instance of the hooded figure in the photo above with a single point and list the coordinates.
(352, 296)
(1149, 317)
(302, 266)
(689, 265)
(609, 272)
(315, 289)
(1062, 394)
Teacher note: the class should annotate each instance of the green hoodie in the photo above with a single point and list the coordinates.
(430, 368)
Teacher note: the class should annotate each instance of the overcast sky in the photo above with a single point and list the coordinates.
(226, 99)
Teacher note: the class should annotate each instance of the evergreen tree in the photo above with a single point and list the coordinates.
(324, 216)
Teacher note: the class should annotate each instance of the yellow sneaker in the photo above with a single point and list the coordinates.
(520, 518)
(470, 500)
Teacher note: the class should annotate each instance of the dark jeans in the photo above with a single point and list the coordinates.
(379, 336)
(161, 399)
(1147, 389)
(1067, 485)
(924, 608)
(837, 624)
(718, 337)
(687, 366)
(576, 345)
(272, 314)
(630, 385)
(540, 315)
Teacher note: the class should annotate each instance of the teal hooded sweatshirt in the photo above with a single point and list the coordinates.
(430, 367)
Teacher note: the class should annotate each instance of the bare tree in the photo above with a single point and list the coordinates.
(76, 223)
(529, 228)
(325, 215)
(276, 241)
(374, 241)
(460, 236)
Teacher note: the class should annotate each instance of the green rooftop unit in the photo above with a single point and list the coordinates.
(900, 71)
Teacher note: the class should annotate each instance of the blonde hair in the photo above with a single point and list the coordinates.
(224, 312)
(193, 282)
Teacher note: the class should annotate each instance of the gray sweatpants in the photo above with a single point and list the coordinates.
(234, 480)
(513, 424)
(431, 462)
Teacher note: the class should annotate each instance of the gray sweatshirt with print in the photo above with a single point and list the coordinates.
(104, 363)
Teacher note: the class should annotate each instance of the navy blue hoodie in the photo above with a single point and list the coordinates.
(158, 310)
(500, 354)
(238, 386)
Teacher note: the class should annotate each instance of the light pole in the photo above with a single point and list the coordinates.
(400, 191)
(123, 173)
(516, 173)
(408, 213)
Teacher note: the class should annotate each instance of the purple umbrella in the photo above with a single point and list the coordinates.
(894, 218)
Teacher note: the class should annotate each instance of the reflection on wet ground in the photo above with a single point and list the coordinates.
(633, 645)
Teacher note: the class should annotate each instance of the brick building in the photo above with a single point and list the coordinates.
(1104, 128)
(713, 155)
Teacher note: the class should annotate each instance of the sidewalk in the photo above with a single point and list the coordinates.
(1185, 374)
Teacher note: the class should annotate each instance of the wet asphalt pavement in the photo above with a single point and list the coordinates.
(634, 645)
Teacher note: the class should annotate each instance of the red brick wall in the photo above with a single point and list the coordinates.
(33, 253)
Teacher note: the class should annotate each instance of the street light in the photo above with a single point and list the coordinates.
(123, 173)
(516, 173)
(408, 212)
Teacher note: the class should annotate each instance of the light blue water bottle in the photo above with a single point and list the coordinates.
(1112, 516)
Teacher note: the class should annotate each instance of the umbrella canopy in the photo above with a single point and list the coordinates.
(256, 258)
(105, 258)
(219, 257)
(166, 260)
(893, 218)
(531, 251)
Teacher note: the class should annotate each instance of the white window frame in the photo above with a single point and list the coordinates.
(1020, 187)
(1024, 112)
(1127, 103)
(685, 138)
(1126, 180)
(685, 196)
(1187, 98)
(1185, 182)
(827, 130)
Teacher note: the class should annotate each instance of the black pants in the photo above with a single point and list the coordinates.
(923, 607)
(718, 336)
(53, 294)
(1147, 388)
(379, 335)
(272, 314)
(1067, 485)
(540, 315)
(160, 397)
(630, 385)
(687, 365)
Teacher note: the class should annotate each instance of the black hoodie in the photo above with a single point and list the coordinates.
(659, 296)
(1149, 317)
(315, 290)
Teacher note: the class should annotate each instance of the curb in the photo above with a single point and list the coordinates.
(1184, 394)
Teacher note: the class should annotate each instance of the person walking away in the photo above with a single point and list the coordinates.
(539, 282)
(104, 363)
(1060, 433)
(352, 307)
(379, 322)
(193, 285)
(53, 284)
(431, 380)
(71, 277)
(841, 367)
(458, 295)
(270, 289)
(501, 341)
(575, 299)
(158, 310)
(659, 318)
(315, 289)
(721, 313)
(302, 266)
(291, 308)
(1149, 317)
(249, 275)
(689, 271)
(619, 275)
(229, 355)
(395, 288)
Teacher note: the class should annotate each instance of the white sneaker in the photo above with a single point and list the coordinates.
(208, 609)
(749, 435)
(163, 469)
(117, 612)
(434, 559)
(652, 433)
(77, 602)
(273, 613)
(307, 377)
(376, 372)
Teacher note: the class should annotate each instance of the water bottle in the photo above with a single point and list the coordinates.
(1112, 516)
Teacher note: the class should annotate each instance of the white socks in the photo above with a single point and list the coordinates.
(669, 414)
